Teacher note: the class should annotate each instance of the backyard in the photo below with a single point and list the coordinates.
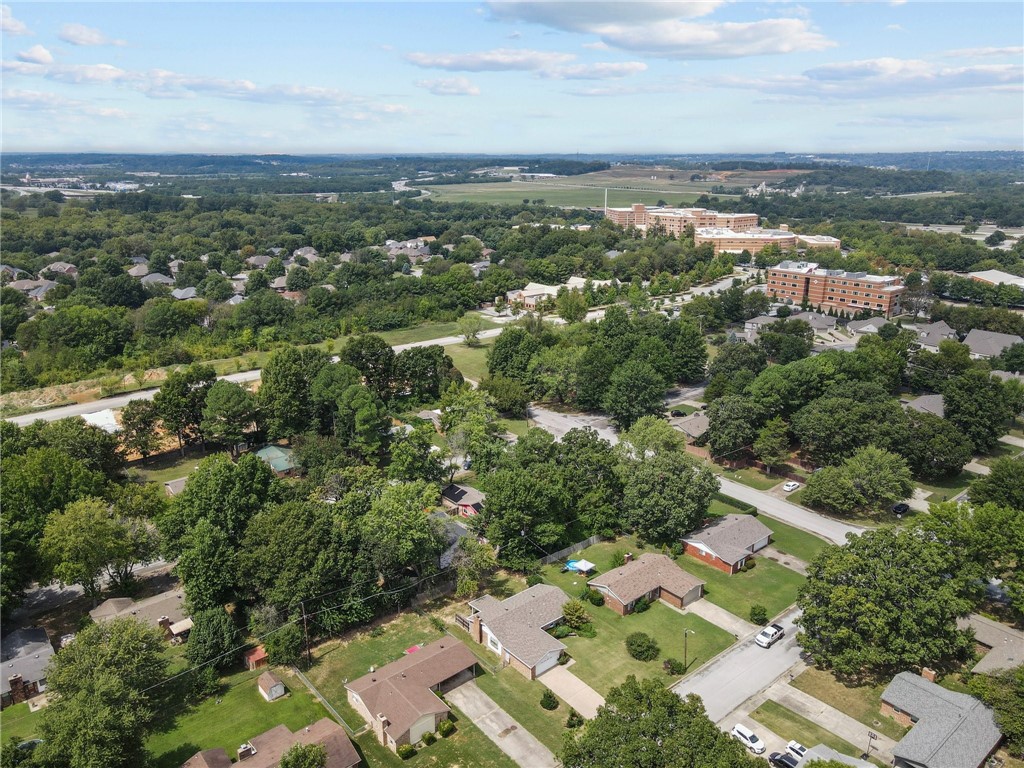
(472, 361)
(16, 721)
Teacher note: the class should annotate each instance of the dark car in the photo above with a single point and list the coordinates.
(900, 509)
(676, 414)
(781, 760)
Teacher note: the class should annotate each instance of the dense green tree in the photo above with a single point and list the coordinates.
(423, 373)
(207, 566)
(285, 394)
(520, 517)
(1004, 485)
(650, 436)
(786, 340)
(572, 306)
(644, 723)
(594, 377)
(554, 373)
(362, 422)
(667, 496)
(413, 457)
(97, 449)
(103, 697)
(228, 414)
(976, 403)
(587, 472)
(868, 482)
(635, 389)
(1003, 691)
(509, 396)
(473, 562)
(934, 448)
(139, 421)
(931, 370)
(886, 602)
(772, 443)
(511, 353)
(325, 392)
(1012, 359)
(213, 639)
(305, 756)
(78, 542)
(372, 357)
(736, 356)
(181, 399)
(398, 531)
(733, 424)
(285, 644)
(829, 429)
(469, 326)
(689, 354)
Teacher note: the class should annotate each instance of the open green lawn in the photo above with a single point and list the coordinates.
(793, 541)
(170, 465)
(516, 192)
(789, 725)
(769, 584)
(19, 722)
(230, 718)
(862, 703)
(472, 361)
(423, 332)
(517, 427)
(947, 488)
(755, 478)
(720, 508)
(999, 451)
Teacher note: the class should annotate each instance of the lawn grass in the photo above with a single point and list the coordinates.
(999, 451)
(719, 508)
(793, 541)
(752, 477)
(17, 721)
(791, 726)
(862, 703)
(226, 720)
(472, 361)
(685, 409)
(769, 584)
(516, 192)
(170, 465)
(424, 332)
(517, 427)
(947, 488)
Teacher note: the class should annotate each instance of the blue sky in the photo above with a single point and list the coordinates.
(700, 76)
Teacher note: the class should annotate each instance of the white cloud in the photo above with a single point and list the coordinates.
(602, 71)
(974, 53)
(598, 46)
(37, 54)
(584, 16)
(11, 25)
(497, 60)
(449, 86)
(79, 34)
(894, 28)
(51, 103)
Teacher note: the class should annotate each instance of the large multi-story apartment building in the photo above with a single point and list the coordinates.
(674, 221)
(755, 240)
(847, 292)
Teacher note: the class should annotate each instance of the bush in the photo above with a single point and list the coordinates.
(563, 658)
(673, 667)
(587, 630)
(592, 596)
(642, 647)
(749, 565)
(405, 751)
(676, 550)
(437, 623)
(575, 719)
(429, 738)
(446, 728)
(641, 605)
(548, 700)
(376, 631)
(204, 683)
(618, 558)
(534, 579)
(575, 614)
(758, 615)
(560, 631)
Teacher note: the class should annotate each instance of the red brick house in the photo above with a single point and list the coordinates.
(651, 576)
(727, 542)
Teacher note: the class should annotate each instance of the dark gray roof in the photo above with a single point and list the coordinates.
(1006, 643)
(990, 343)
(953, 730)
(645, 574)
(156, 277)
(184, 293)
(871, 325)
(695, 425)
(929, 404)
(25, 652)
(518, 621)
(816, 320)
(463, 495)
(731, 537)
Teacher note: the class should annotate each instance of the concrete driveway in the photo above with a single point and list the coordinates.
(577, 694)
(722, 618)
(511, 738)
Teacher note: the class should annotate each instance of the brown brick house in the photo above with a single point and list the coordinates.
(267, 749)
(651, 576)
(727, 542)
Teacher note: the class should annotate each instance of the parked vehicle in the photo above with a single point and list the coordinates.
(792, 485)
(900, 509)
(770, 635)
(677, 414)
(796, 749)
(749, 738)
(782, 760)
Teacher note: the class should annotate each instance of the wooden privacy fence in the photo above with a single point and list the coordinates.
(554, 556)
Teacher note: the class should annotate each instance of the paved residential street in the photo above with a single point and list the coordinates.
(511, 738)
(742, 672)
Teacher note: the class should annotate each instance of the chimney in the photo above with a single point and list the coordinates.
(628, 558)
(18, 693)
(928, 674)
(784, 227)
(245, 752)
(476, 628)
(380, 724)
(165, 625)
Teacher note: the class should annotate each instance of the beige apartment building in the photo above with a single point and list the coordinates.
(674, 221)
(847, 292)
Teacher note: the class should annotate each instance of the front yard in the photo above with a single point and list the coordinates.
(750, 476)
(946, 488)
(862, 703)
(792, 541)
(791, 726)
(769, 584)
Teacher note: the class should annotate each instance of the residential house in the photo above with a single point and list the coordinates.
(174, 487)
(871, 325)
(61, 268)
(279, 284)
(267, 749)
(136, 260)
(1000, 646)
(11, 273)
(235, 300)
(434, 417)
(727, 542)
(182, 294)
(1007, 375)
(165, 610)
(155, 278)
(819, 323)
(139, 271)
(278, 459)
(34, 289)
(255, 658)
(259, 261)
(26, 655)
(986, 344)
(515, 628)
(823, 754)
(933, 404)
(947, 729)
(398, 700)
(463, 499)
(930, 335)
(270, 686)
(175, 265)
(694, 426)
(651, 577)
(307, 252)
(755, 325)
(454, 532)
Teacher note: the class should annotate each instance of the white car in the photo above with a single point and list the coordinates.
(768, 636)
(796, 749)
(749, 738)
(792, 485)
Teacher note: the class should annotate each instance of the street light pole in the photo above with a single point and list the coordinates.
(686, 663)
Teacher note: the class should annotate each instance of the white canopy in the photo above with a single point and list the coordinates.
(583, 566)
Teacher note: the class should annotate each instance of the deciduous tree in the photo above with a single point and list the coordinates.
(634, 390)
(139, 420)
(213, 639)
(181, 399)
(228, 414)
(667, 496)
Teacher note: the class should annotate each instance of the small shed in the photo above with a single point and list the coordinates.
(278, 459)
(255, 658)
(270, 686)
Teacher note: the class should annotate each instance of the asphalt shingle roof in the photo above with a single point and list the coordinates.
(990, 343)
(25, 652)
(518, 621)
(731, 537)
(645, 574)
(1006, 643)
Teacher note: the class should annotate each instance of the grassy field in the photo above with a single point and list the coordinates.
(793, 541)
(948, 487)
(170, 465)
(235, 715)
(862, 702)
(752, 477)
(719, 507)
(789, 725)
(1000, 451)
(17, 721)
(423, 332)
(769, 584)
(472, 361)
(514, 192)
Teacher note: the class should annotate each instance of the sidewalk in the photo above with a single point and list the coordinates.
(1011, 440)
(976, 468)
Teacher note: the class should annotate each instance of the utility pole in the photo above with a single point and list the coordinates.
(686, 662)
(305, 632)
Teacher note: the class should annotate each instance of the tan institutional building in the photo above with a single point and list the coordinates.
(675, 220)
(848, 292)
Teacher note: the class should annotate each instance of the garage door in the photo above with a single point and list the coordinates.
(549, 661)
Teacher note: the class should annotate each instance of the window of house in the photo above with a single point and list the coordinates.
(492, 643)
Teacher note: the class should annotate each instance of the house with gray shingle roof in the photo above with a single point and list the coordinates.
(26, 655)
(1002, 645)
(652, 577)
(948, 729)
(930, 334)
(986, 344)
(515, 628)
(726, 542)
(871, 325)
(934, 404)
(184, 293)
(155, 278)
(694, 426)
